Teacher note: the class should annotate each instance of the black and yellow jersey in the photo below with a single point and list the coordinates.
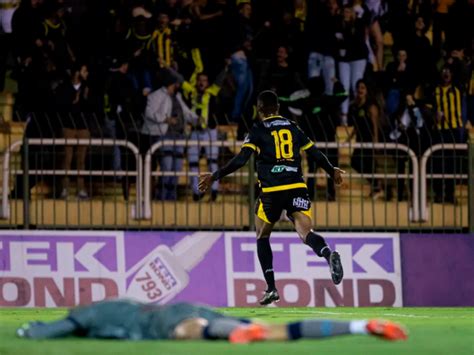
(278, 143)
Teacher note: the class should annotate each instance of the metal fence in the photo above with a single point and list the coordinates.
(124, 180)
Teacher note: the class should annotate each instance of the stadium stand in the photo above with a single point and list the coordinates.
(134, 49)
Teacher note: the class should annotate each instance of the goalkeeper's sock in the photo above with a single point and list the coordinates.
(312, 328)
(221, 328)
(319, 245)
(265, 256)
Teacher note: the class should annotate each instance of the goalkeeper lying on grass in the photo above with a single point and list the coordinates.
(128, 320)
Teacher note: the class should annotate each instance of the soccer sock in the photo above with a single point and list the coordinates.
(313, 328)
(318, 244)
(57, 329)
(265, 256)
(221, 328)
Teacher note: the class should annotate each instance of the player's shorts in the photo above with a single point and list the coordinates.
(271, 204)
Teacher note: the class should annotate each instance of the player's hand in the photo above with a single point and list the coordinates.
(338, 176)
(205, 181)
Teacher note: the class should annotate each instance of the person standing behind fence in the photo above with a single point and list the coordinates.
(138, 45)
(73, 100)
(163, 43)
(202, 97)
(448, 124)
(119, 97)
(351, 35)
(165, 116)
(364, 115)
(323, 47)
(242, 36)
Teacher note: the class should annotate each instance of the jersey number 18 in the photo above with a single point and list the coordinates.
(283, 143)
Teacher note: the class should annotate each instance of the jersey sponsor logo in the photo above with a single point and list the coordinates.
(277, 123)
(302, 203)
(280, 168)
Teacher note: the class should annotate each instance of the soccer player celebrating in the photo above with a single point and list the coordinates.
(128, 320)
(278, 143)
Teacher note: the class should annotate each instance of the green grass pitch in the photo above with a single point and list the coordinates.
(432, 331)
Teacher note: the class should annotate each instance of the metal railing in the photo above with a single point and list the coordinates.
(148, 174)
(414, 215)
(142, 209)
(5, 211)
(424, 176)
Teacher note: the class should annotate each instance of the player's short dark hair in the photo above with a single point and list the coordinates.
(267, 102)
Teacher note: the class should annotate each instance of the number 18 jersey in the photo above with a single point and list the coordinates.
(278, 143)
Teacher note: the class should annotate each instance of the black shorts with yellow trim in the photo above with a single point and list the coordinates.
(270, 205)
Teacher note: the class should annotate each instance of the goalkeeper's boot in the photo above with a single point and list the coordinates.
(269, 297)
(247, 333)
(387, 330)
(335, 266)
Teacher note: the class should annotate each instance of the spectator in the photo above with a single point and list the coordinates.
(323, 47)
(209, 39)
(189, 54)
(165, 116)
(460, 68)
(52, 40)
(282, 79)
(118, 106)
(448, 128)
(240, 65)
(420, 53)
(399, 81)
(163, 42)
(376, 9)
(202, 98)
(138, 44)
(410, 130)
(351, 33)
(26, 23)
(322, 113)
(365, 117)
(73, 101)
(290, 33)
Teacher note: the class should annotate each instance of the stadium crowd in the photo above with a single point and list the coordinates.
(144, 70)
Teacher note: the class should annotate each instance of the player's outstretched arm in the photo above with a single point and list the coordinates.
(322, 160)
(206, 180)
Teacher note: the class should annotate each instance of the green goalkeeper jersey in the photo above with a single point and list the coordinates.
(135, 321)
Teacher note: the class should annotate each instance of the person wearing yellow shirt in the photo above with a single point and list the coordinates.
(447, 128)
(201, 96)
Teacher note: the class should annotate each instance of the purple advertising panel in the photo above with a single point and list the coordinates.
(64, 269)
(371, 263)
(438, 270)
